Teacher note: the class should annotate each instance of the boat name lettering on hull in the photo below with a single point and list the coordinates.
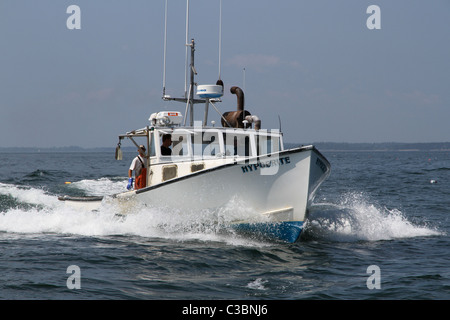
(321, 165)
(267, 164)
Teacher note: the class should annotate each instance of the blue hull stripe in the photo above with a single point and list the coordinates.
(288, 231)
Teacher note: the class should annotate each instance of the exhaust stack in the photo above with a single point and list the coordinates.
(235, 119)
(240, 97)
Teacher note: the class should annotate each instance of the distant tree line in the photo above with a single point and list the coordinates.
(384, 146)
(330, 146)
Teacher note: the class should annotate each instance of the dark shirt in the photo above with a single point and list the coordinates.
(166, 151)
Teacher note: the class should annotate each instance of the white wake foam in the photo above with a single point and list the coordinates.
(100, 187)
(49, 215)
(355, 218)
(28, 195)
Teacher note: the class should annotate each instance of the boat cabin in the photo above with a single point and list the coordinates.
(198, 147)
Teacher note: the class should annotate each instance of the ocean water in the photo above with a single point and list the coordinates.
(379, 229)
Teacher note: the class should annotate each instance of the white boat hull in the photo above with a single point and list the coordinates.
(271, 194)
(271, 189)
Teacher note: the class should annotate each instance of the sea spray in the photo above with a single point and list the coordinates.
(356, 218)
(26, 195)
(100, 187)
(31, 210)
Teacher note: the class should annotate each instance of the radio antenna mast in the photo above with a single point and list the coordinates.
(187, 45)
(220, 36)
(165, 50)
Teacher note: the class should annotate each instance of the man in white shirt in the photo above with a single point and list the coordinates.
(140, 170)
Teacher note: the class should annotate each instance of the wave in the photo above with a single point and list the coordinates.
(23, 195)
(35, 211)
(355, 218)
(40, 176)
(441, 169)
(99, 187)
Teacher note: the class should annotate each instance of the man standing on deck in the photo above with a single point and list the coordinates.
(140, 170)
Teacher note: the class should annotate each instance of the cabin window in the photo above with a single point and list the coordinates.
(152, 147)
(179, 144)
(236, 144)
(210, 144)
(267, 144)
(205, 144)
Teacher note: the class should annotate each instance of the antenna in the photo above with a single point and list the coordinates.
(243, 79)
(165, 50)
(187, 45)
(279, 122)
(191, 72)
(220, 35)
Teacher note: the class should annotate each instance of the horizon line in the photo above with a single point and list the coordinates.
(286, 143)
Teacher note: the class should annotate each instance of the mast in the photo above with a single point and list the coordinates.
(188, 98)
(165, 49)
(220, 37)
(186, 55)
(191, 93)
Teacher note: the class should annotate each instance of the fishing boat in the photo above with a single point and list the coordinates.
(211, 166)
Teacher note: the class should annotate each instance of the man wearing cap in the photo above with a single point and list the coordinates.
(140, 170)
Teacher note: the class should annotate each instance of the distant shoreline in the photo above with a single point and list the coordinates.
(381, 147)
(322, 146)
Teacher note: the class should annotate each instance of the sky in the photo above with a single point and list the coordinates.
(316, 65)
